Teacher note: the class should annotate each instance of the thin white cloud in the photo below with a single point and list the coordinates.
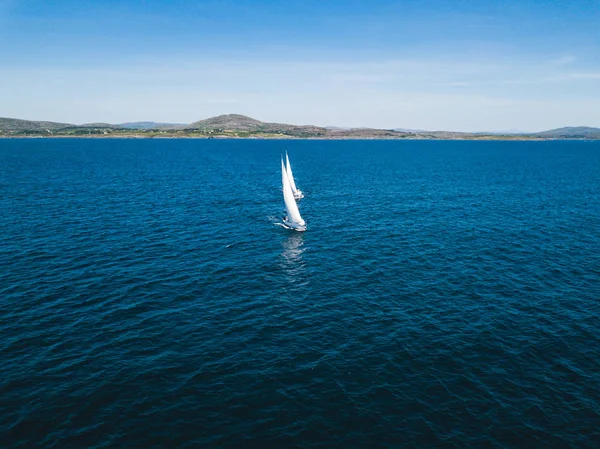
(410, 93)
(576, 76)
(563, 60)
(558, 78)
(361, 78)
(456, 84)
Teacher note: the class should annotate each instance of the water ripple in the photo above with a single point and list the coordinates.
(445, 294)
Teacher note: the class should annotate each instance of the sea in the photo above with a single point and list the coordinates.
(445, 294)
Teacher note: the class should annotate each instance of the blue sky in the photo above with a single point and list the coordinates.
(453, 64)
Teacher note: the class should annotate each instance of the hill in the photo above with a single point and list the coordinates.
(98, 125)
(571, 132)
(237, 122)
(13, 124)
(241, 126)
(229, 121)
(405, 130)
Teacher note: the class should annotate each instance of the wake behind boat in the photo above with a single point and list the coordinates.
(293, 220)
(297, 193)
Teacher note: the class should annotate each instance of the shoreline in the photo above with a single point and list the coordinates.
(482, 138)
(236, 126)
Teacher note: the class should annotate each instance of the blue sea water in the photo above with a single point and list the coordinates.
(446, 294)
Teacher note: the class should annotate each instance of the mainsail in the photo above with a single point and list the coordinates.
(289, 173)
(297, 193)
(293, 213)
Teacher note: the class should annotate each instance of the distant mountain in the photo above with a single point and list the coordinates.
(241, 126)
(571, 132)
(506, 131)
(237, 122)
(346, 128)
(98, 125)
(229, 121)
(13, 124)
(150, 125)
(406, 130)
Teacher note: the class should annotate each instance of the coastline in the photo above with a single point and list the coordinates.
(469, 138)
(236, 126)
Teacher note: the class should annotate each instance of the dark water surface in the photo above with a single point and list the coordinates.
(445, 294)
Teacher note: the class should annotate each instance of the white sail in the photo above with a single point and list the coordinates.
(289, 173)
(297, 193)
(284, 178)
(293, 213)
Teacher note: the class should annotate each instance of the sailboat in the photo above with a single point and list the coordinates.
(293, 220)
(297, 193)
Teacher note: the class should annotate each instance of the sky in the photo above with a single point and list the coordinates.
(488, 65)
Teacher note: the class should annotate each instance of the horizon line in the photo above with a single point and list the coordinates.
(399, 128)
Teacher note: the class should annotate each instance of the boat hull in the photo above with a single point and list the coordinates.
(294, 226)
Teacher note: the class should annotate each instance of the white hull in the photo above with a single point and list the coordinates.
(298, 195)
(294, 226)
